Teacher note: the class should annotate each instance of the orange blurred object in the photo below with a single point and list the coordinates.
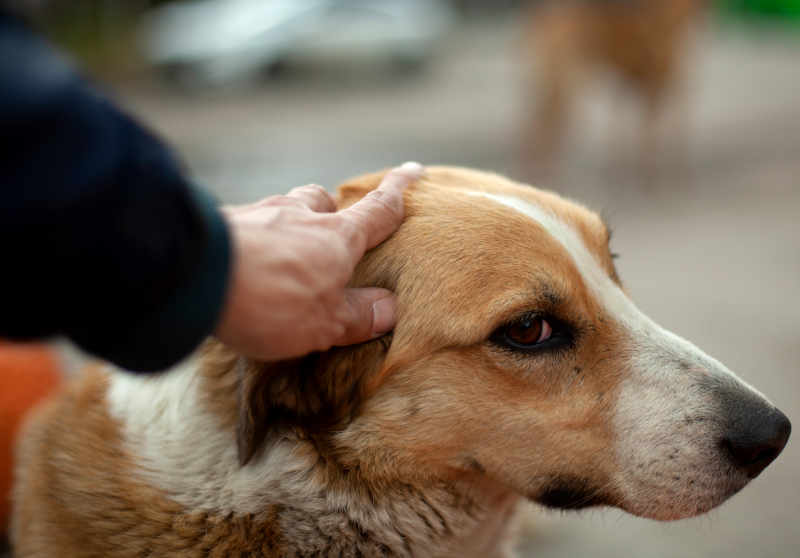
(28, 373)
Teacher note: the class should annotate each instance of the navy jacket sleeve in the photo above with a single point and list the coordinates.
(102, 239)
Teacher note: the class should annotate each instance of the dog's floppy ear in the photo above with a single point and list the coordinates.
(255, 416)
(321, 391)
(308, 397)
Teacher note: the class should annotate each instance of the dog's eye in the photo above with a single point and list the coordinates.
(532, 333)
(529, 331)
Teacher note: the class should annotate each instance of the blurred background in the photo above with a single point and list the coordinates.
(679, 120)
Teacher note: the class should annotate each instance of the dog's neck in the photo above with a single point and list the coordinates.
(332, 510)
(184, 447)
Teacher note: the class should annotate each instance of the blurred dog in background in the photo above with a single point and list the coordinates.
(643, 42)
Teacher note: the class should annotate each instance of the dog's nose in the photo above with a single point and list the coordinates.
(755, 437)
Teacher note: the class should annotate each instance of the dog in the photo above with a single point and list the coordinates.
(518, 369)
(643, 42)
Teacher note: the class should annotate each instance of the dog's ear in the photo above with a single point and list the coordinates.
(253, 404)
(321, 391)
(356, 188)
(308, 397)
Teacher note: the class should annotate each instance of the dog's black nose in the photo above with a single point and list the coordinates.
(756, 435)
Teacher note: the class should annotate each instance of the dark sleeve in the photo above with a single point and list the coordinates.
(101, 237)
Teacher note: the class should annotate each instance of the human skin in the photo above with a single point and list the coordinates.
(293, 257)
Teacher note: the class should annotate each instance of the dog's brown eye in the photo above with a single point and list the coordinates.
(529, 331)
(532, 333)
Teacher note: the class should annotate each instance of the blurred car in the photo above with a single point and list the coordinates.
(219, 41)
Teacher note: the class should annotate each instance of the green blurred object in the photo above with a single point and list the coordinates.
(785, 9)
(101, 34)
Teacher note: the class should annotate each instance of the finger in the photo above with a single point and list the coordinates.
(378, 214)
(271, 201)
(314, 196)
(368, 313)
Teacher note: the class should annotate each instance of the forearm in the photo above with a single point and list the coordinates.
(103, 238)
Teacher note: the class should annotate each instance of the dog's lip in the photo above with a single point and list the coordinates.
(572, 493)
(694, 494)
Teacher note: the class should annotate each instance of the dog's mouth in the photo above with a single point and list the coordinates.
(576, 493)
(572, 493)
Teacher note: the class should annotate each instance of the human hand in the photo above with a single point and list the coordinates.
(293, 257)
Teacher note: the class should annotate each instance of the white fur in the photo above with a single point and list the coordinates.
(181, 447)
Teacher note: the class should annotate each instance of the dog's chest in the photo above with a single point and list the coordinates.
(493, 537)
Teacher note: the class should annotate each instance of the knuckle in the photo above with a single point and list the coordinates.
(357, 244)
(349, 229)
(339, 271)
(342, 318)
(279, 201)
(314, 194)
(383, 201)
(267, 202)
(318, 189)
(338, 330)
(312, 189)
(329, 335)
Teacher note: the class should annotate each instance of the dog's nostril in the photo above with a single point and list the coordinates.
(751, 458)
(756, 443)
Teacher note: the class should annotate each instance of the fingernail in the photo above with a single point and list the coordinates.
(412, 167)
(383, 315)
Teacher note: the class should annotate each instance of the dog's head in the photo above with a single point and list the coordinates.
(519, 358)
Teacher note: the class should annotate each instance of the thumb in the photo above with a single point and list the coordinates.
(368, 313)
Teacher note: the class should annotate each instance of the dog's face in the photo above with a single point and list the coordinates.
(519, 358)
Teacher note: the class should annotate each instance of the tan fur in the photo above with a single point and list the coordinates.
(416, 444)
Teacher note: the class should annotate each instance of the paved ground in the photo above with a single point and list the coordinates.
(712, 253)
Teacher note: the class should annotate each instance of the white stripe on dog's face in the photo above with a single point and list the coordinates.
(669, 465)
(608, 293)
